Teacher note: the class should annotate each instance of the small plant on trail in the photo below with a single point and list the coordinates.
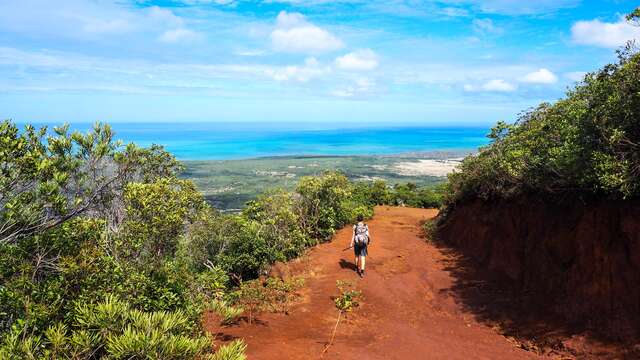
(349, 296)
(348, 299)
(272, 294)
(282, 292)
(251, 296)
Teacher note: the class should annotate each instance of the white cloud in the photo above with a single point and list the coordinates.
(603, 34)
(541, 76)
(178, 35)
(311, 69)
(86, 19)
(103, 73)
(495, 85)
(498, 85)
(360, 60)
(293, 33)
(485, 27)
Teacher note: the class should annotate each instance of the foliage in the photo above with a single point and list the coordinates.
(405, 194)
(349, 297)
(251, 295)
(278, 223)
(119, 221)
(48, 178)
(112, 329)
(228, 314)
(634, 16)
(82, 217)
(587, 143)
(232, 351)
(272, 294)
(430, 228)
(322, 206)
(157, 214)
(281, 292)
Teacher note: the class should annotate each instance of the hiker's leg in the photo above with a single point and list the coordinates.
(357, 262)
(362, 262)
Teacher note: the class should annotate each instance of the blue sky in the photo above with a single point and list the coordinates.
(445, 62)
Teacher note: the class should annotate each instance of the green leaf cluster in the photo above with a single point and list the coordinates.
(587, 144)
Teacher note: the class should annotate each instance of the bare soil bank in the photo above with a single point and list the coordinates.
(568, 271)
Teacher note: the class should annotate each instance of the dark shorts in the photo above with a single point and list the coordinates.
(360, 250)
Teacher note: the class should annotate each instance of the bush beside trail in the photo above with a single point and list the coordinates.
(587, 144)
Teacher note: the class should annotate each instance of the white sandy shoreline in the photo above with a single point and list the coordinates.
(427, 167)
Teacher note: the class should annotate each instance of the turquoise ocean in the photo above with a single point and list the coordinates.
(215, 141)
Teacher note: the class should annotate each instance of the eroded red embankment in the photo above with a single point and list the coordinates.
(579, 262)
(411, 306)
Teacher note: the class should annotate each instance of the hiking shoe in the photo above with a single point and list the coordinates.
(361, 273)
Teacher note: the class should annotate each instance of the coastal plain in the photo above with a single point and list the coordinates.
(229, 184)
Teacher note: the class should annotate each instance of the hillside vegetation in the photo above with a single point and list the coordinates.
(106, 252)
(587, 144)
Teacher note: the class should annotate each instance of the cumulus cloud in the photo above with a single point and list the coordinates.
(498, 85)
(495, 85)
(293, 33)
(541, 76)
(360, 60)
(311, 69)
(603, 34)
(90, 20)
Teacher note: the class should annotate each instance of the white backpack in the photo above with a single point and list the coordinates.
(360, 231)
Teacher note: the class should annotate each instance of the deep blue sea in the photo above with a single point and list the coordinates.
(202, 141)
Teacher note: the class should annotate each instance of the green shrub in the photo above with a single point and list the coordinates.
(322, 206)
(586, 144)
(228, 314)
(278, 223)
(111, 328)
(232, 351)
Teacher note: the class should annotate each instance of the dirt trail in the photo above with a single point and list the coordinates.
(409, 308)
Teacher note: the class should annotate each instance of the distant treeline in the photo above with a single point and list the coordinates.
(106, 252)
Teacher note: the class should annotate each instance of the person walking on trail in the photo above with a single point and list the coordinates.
(360, 241)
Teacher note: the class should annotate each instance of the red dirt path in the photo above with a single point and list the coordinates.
(409, 309)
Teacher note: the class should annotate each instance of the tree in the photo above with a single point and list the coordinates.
(634, 16)
(49, 178)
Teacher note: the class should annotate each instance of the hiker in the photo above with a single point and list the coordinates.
(359, 241)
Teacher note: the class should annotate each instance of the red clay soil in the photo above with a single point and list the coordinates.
(409, 308)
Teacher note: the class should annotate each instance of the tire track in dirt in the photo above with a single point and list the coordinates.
(409, 309)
